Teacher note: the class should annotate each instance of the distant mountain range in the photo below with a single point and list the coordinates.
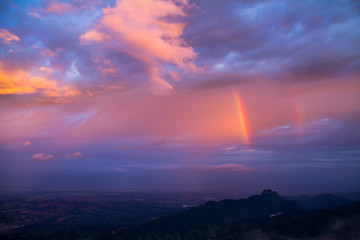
(263, 217)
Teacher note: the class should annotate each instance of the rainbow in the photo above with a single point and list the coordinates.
(299, 118)
(299, 115)
(244, 124)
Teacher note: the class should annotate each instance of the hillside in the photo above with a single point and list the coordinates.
(264, 216)
(321, 201)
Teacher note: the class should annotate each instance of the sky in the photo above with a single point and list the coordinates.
(180, 95)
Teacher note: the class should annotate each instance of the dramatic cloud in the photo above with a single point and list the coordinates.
(7, 37)
(142, 29)
(42, 157)
(75, 155)
(27, 143)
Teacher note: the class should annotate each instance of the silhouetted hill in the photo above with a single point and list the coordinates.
(350, 195)
(198, 222)
(265, 216)
(250, 209)
(340, 224)
(322, 201)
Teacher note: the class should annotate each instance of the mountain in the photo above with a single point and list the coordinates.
(229, 215)
(322, 201)
(336, 224)
(265, 216)
(350, 195)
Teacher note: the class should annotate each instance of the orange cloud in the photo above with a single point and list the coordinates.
(42, 157)
(7, 37)
(20, 82)
(140, 28)
(27, 143)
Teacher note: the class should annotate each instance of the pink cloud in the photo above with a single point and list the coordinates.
(140, 28)
(47, 70)
(57, 7)
(48, 53)
(27, 143)
(109, 72)
(75, 155)
(42, 157)
(7, 37)
(35, 14)
(93, 36)
(230, 167)
(175, 76)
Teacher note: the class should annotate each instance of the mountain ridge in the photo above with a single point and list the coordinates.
(268, 216)
(321, 201)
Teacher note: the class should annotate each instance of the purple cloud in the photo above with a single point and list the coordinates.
(75, 155)
(229, 167)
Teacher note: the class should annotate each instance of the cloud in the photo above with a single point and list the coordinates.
(48, 53)
(227, 35)
(42, 157)
(27, 143)
(75, 155)
(226, 167)
(46, 69)
(21, 82)
(7, 37)
(141, 29)
(93, 36)
(57, 7)
(80, 118)
(229, 167)
(109, 71)
(35, 14)
(282, 130)
(174, 76)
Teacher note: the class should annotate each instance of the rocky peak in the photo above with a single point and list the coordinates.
(269, 192)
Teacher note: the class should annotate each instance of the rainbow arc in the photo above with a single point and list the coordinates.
(244, 123)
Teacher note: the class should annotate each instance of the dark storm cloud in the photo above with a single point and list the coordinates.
(280, 40)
